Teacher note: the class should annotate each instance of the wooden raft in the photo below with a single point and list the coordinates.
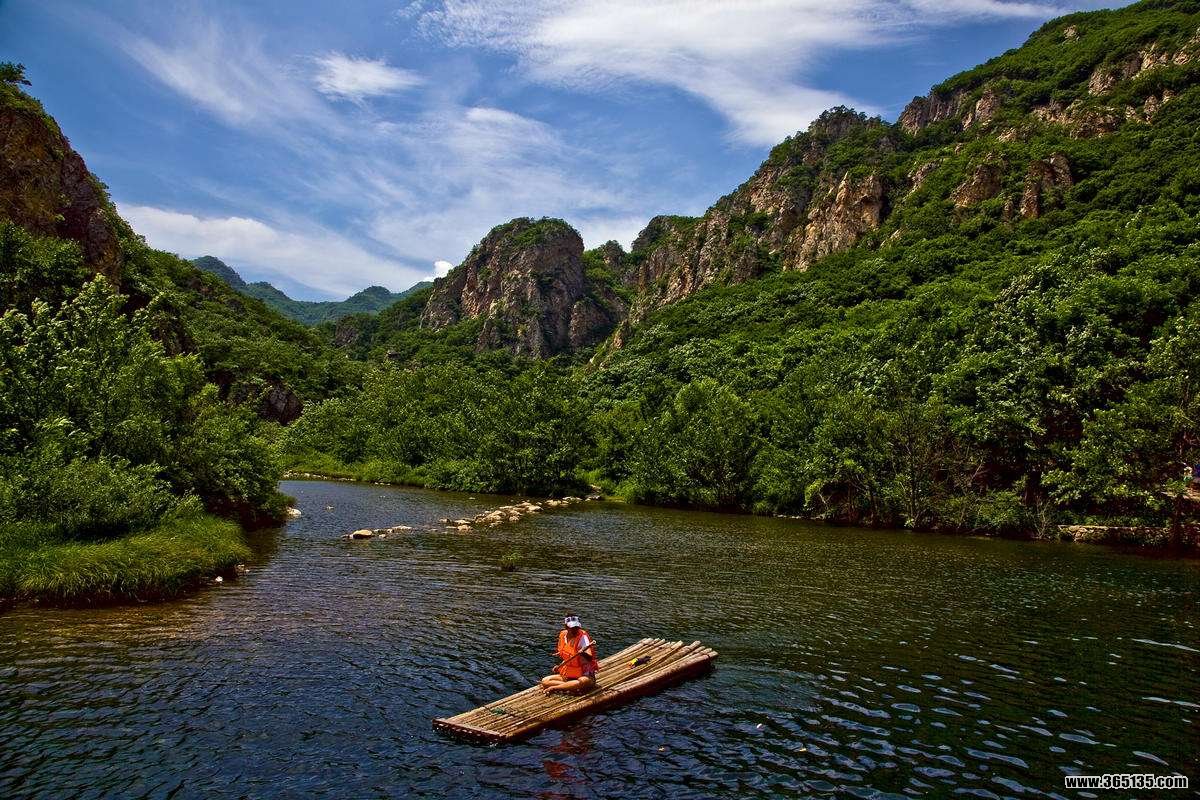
(527, 712)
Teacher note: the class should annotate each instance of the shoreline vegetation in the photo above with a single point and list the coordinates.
(1148, 537)
(39, 565)
(983, 318)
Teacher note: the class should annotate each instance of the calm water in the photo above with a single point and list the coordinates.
(853, 663)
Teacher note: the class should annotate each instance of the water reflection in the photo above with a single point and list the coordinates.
(852, 663)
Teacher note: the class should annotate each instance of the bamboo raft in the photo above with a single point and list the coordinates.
(526, 712)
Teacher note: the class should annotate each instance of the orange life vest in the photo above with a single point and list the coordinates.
(568, 649)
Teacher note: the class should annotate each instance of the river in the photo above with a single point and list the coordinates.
(853, 663)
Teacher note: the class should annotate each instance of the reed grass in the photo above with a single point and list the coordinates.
(36, 564)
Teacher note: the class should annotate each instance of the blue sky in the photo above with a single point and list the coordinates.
(329, 146)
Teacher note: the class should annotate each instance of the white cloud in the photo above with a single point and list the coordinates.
(227, 72)
(340, 198)
(320, 259)
(353, 78)
(746, 59)
(422, 189)
(442, 268)
(479, 167)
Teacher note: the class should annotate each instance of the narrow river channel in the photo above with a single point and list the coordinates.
(853, 663)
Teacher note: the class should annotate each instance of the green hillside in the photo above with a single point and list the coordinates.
(134, 389)
(371, 300)
(982, 317)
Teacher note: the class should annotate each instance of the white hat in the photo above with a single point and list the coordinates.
(572, 622)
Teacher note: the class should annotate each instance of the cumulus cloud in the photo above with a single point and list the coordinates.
(442, 268)
(320, 259)
(747, 59)
(339, 75)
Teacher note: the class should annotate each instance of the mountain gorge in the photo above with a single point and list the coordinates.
(982, 317)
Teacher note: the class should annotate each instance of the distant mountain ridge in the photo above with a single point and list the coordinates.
(371, 300)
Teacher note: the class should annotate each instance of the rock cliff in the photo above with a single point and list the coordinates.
(46, 188)
(798, 207)
(527, 285)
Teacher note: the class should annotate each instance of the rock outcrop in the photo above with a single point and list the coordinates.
(46, 188)
(982, 184)
(931, 109)
(848, 211)
(1082, 120)
(916, 177)
(1045, 182)
(795, 209)
(527, 284)
(984, 110)
(1107, 77)
(280, 404)
(843, 183)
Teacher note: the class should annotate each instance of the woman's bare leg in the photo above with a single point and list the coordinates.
(551, 681)
(578, 684)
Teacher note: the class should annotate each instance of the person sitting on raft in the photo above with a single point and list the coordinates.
(577, 672)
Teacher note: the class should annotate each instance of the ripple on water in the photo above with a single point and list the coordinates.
(865, 664)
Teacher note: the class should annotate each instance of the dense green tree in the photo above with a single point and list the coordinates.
(102, 432)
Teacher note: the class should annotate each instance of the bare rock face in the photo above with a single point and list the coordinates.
(46, 188)
(281, 404)
(526, 281)
(1106, 77)
(982, 184)
(933, 108)
(347, 332)
(1045, 183)
(848, 211)
(792, 211)
(916, 178)
(985, 109)
(1082, 121)
(1149, 108)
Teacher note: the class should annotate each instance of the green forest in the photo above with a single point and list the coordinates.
(961, 367)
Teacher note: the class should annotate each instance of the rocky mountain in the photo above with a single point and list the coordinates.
(995, 148)
(47, 189)
(527, 286)
(309, 312)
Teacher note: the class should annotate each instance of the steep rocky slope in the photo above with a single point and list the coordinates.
(527, 286)
(1001, 146)
(46, 188)
(848, 180)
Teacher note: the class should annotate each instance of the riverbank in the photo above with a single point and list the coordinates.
(327, 468)
(37, 565)
(1143, 536)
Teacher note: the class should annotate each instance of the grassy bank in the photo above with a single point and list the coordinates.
(326, 466)
(36, 564)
